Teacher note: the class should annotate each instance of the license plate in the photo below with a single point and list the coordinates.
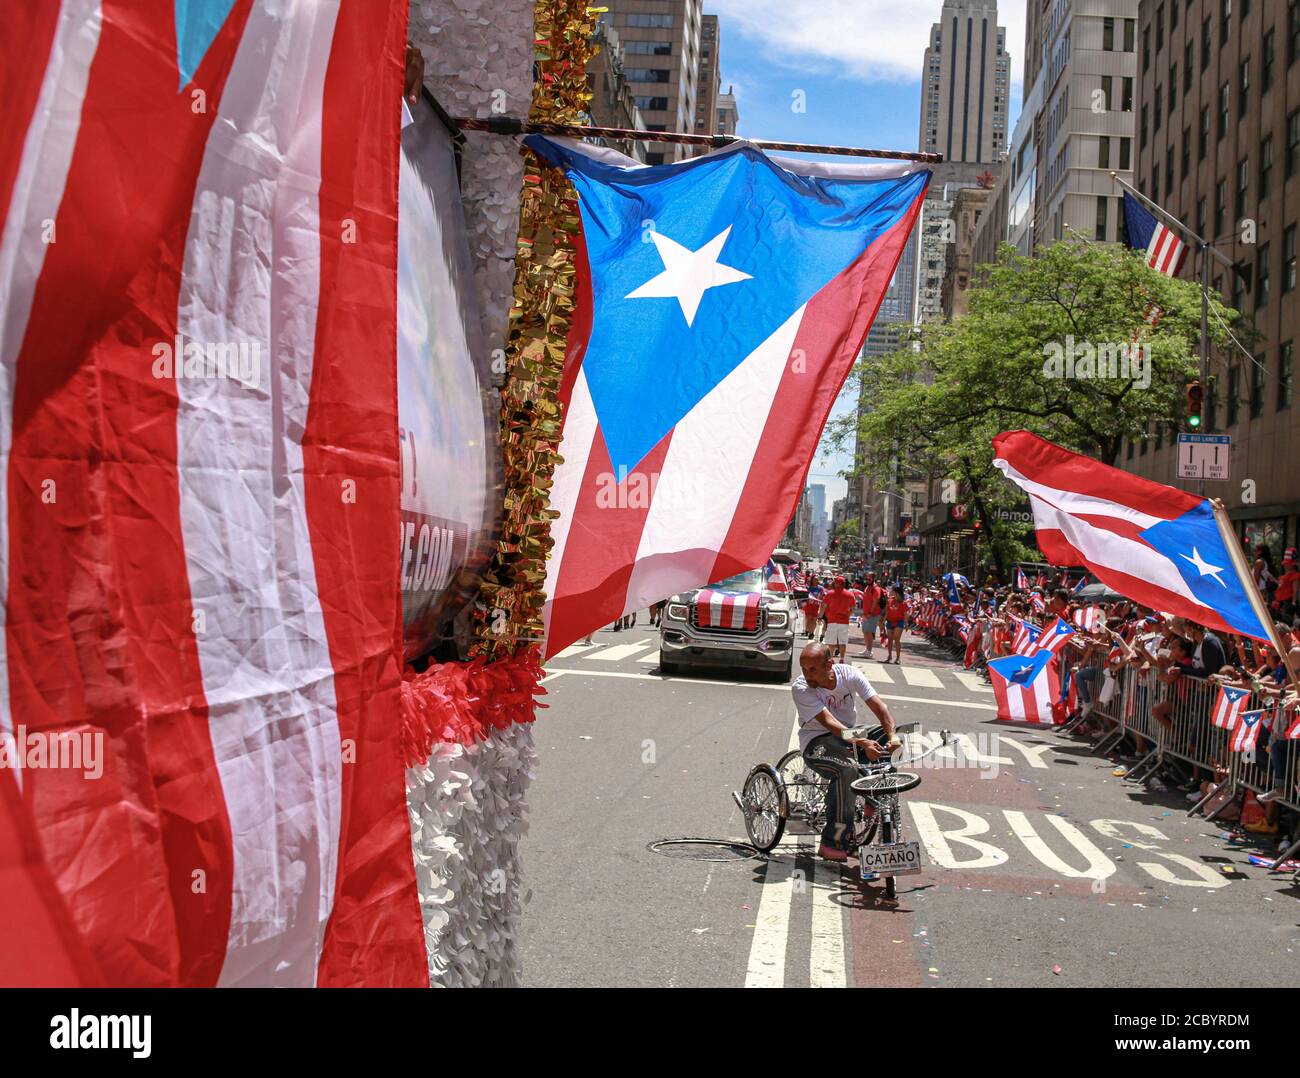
(900, 859)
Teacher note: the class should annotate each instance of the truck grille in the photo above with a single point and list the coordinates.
(695, 624)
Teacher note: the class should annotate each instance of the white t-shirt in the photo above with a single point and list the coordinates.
(809, 702)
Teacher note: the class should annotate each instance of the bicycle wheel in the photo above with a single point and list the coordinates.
(878, 786)
(765, 806)
(804, 788)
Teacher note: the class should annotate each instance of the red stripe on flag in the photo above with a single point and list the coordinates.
(772, 489)
(24, 54)
(604, 534)
(100, 628)
(1041, 461)
(375, 934)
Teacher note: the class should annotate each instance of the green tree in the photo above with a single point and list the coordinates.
(1042, 348)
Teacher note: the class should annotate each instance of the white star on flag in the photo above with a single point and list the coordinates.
(1203, 566)
(688, 274)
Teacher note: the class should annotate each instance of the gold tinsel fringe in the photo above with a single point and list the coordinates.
(512, 596)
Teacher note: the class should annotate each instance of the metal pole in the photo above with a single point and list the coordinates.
(510, 125)
(1205, 346)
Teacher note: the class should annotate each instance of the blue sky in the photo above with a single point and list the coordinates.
(857, 64)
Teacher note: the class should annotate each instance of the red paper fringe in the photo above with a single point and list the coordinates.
(465, 702)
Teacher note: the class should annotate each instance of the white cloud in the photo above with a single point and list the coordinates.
(871, 40)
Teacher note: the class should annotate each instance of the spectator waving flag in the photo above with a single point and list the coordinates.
(1227, 707)
(1022, 581)
(1155, 544)
(1024, 641)
(1054, 637)
(721, 302)
(1025, 687)
(972, 644)
(1246, 732)
(1036, 602)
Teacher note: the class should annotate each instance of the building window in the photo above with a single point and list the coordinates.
(1224, 111)
(1125, 153)
(1265, 167)
(1284, 376)
(1155, 179)
(1160, 27)
(1211, 405)
(1189, 56)
(1292, 32)
(648, 21)
(1243, 182)
(1225, 21)
(1108, 34)
(1173, 17)
(1261, 276)
(1146, 47)
(1126, 99)
(1204, 134)
(1103, 152)
(1288, 260)
(1257, 388)
(1102, 203)
(1200, 216)
(1220, 206)
(648, 48)
(1243, 97)
(1173, 86)
(1106, 93)
(1187, 151)
(1169, 171)
(1130, 29)
(1142, 132)
(1266, 61)
(1292, 143)
(651, 104)
(1234, 396)
(1158, 111)
(646, 74)
(1205, 43)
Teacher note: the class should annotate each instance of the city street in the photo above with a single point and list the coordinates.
(1013, 842)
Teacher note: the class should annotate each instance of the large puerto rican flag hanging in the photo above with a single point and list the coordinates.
(198, 449)
(722, 302)
(1158, 545)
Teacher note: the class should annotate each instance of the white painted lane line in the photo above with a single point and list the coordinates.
(874, 671)
(920, 677)
(621, 651)
(653, 657)
(778, 688)
(826, 965)
(574, 649)
(973, 682)
(552, 675)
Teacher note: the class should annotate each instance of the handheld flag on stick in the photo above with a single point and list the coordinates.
(1227, 707)
(1025, 687)
(1246, 733)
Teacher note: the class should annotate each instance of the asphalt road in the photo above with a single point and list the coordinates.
(1041, 868)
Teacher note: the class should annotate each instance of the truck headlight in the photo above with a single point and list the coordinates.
(777, 619)
(677, 611)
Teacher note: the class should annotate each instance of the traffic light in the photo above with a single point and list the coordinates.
(1193, 394)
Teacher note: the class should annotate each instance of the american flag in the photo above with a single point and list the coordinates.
(1026, 687)
(1162, 248)
(201, 597)
(1227, 706)
(1246, 732)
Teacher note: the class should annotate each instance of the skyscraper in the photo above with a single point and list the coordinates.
(966, 85)
(661, 43)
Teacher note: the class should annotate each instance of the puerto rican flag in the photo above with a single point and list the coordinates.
(1024, 639)
(727, 609)
(1022, 581)
(1155, 544)
(1246, 732)
(721, 303)
(1291, 715)
(1054, 637)
(183, 580)
(1036, 602)
(972, 644)
(1026, 687)
(1227, 706)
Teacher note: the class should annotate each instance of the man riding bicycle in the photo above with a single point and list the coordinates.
(823, 697)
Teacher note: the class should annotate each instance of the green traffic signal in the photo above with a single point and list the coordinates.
(1193, 421)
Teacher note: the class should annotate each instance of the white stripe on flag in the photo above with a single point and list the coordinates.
(1079, 504)
(37, 192)
(566, 484)
(717, 608)
(693, 507)
(264, 653)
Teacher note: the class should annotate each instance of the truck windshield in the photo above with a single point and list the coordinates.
(750, 581)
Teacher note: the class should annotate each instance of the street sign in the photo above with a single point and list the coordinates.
(913, 540)
(1204, 456)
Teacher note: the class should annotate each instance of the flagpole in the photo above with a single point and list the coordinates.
(1233, 544)
(510, 125)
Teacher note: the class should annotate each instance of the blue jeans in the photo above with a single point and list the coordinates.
(1087, 676)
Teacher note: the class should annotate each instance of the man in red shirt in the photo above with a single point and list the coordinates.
(1284, 600)
(837, 605)
(873, 601)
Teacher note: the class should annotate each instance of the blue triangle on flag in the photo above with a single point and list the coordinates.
(197, 24)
